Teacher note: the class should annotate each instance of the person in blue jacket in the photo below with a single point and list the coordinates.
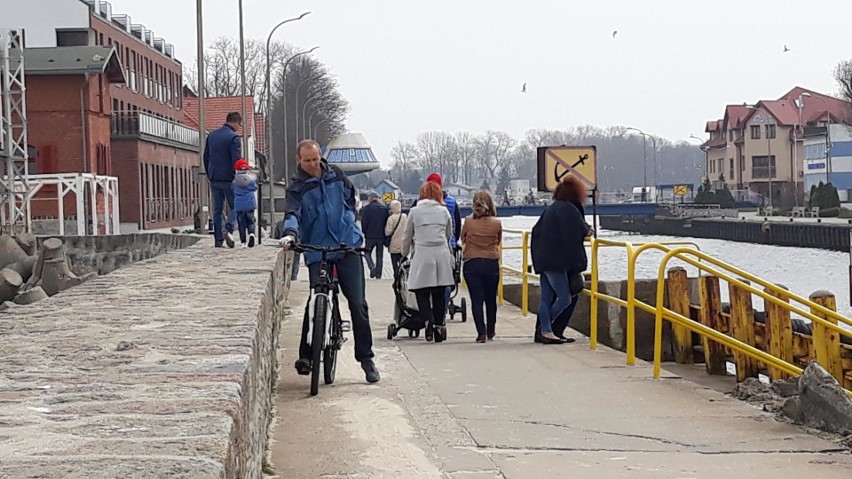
(320, 210)
(245, 202)
(221, 152)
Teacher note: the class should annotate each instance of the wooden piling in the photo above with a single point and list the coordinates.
(779, 333)
(678, 289)
(710, 315)
(827, 341)
(742, 326)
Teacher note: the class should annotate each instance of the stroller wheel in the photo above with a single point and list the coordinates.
(413, 333)
(464, 310)
(391, 331)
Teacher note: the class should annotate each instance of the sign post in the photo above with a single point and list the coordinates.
(555, 162)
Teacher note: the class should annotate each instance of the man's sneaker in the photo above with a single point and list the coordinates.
(303, 367)
(229, 239)
(243, 245)
(251, 240)
(370, 370)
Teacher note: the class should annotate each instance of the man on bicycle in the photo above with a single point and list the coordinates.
(320, 210)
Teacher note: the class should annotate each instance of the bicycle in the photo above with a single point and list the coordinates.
(326, 327)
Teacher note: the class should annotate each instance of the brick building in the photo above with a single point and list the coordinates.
(123, 120)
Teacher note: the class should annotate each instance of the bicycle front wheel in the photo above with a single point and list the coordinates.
(317, 339)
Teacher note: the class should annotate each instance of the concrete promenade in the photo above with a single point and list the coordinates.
(515, 409)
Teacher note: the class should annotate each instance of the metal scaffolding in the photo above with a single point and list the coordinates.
(14, 189)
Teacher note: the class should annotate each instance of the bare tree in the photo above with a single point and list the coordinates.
(843, 76)
(466, 154)
(404, 156)
(493, 148)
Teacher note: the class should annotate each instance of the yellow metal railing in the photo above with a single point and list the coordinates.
(823, 319)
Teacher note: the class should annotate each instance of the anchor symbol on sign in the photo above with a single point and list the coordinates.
(581, 161)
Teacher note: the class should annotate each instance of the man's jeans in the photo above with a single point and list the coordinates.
(555, 298)
(350, 275)
(379, 245)
(222, 192)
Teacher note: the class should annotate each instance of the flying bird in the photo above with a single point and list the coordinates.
(524, 88)
(614, 33)
(786, 49)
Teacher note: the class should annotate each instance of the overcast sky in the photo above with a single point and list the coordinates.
(409, 66)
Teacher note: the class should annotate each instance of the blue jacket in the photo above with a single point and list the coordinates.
(321, 211)
(374, 216)
(221, 151)
(244, 187)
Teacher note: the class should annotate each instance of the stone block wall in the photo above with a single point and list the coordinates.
(165, 368)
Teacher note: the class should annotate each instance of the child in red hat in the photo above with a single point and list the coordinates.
(245, 202)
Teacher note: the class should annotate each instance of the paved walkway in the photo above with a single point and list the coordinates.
(515, 409)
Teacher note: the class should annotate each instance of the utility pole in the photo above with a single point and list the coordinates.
(246, 120)
(203, 189)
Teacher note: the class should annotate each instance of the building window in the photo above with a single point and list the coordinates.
(755, 132)
(763, 167)
(72, 38)
(770, 131)
(731, 167)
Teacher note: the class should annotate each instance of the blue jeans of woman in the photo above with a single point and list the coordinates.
(555, 298)
(482, 276)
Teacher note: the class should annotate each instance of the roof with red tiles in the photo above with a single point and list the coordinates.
(735, 114)
(216, 109)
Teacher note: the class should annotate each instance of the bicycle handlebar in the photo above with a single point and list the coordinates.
(301, 248)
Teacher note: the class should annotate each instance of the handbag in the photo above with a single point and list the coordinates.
(576, 283)
(389, 238)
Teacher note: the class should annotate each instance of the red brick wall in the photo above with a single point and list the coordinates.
(137, 56)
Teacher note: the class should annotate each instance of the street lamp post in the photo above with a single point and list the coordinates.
(284, 97)
(305, 125)
(311, 124)
(644, 157)
(268, 128)
(316, 128)
(243, 82)
(691, 136)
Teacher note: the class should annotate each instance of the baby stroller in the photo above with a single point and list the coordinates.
(454, 291)
(405, 313)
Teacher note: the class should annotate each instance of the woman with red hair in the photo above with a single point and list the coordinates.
(427, 241)
(558, 254)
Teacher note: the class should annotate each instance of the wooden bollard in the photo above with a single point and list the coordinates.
(827, 341)
(742, 326)
(779, 333)
(710, 315)
(678, 289)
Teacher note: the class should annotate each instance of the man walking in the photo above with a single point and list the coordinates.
(374, 217)
(221, 153)
(320, 210)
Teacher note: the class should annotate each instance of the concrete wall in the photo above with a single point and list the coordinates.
(105, 254)
(612, 319)
(807, 235)
(146, 372)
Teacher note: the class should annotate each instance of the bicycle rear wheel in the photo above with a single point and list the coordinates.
(320, 307)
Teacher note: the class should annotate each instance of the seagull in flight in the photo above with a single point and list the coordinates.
(614, 33)
(786, 49)
(524, 88)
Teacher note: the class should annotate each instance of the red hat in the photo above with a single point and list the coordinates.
(242, 164)
(435, 178)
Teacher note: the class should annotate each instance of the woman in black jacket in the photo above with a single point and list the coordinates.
(558, 253)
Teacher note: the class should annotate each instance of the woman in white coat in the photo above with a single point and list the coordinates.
(427, 240)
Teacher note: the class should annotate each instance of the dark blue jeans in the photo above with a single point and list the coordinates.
(222, 192)
(350, 275)
(482, 276)
(555, 298)
(245, 221)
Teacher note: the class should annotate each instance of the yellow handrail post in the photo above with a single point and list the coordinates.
(593, 299)
(631, 304)
(826, 341)
(525, 299)
(500, 279)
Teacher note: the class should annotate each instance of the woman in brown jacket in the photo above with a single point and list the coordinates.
(481, 235)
